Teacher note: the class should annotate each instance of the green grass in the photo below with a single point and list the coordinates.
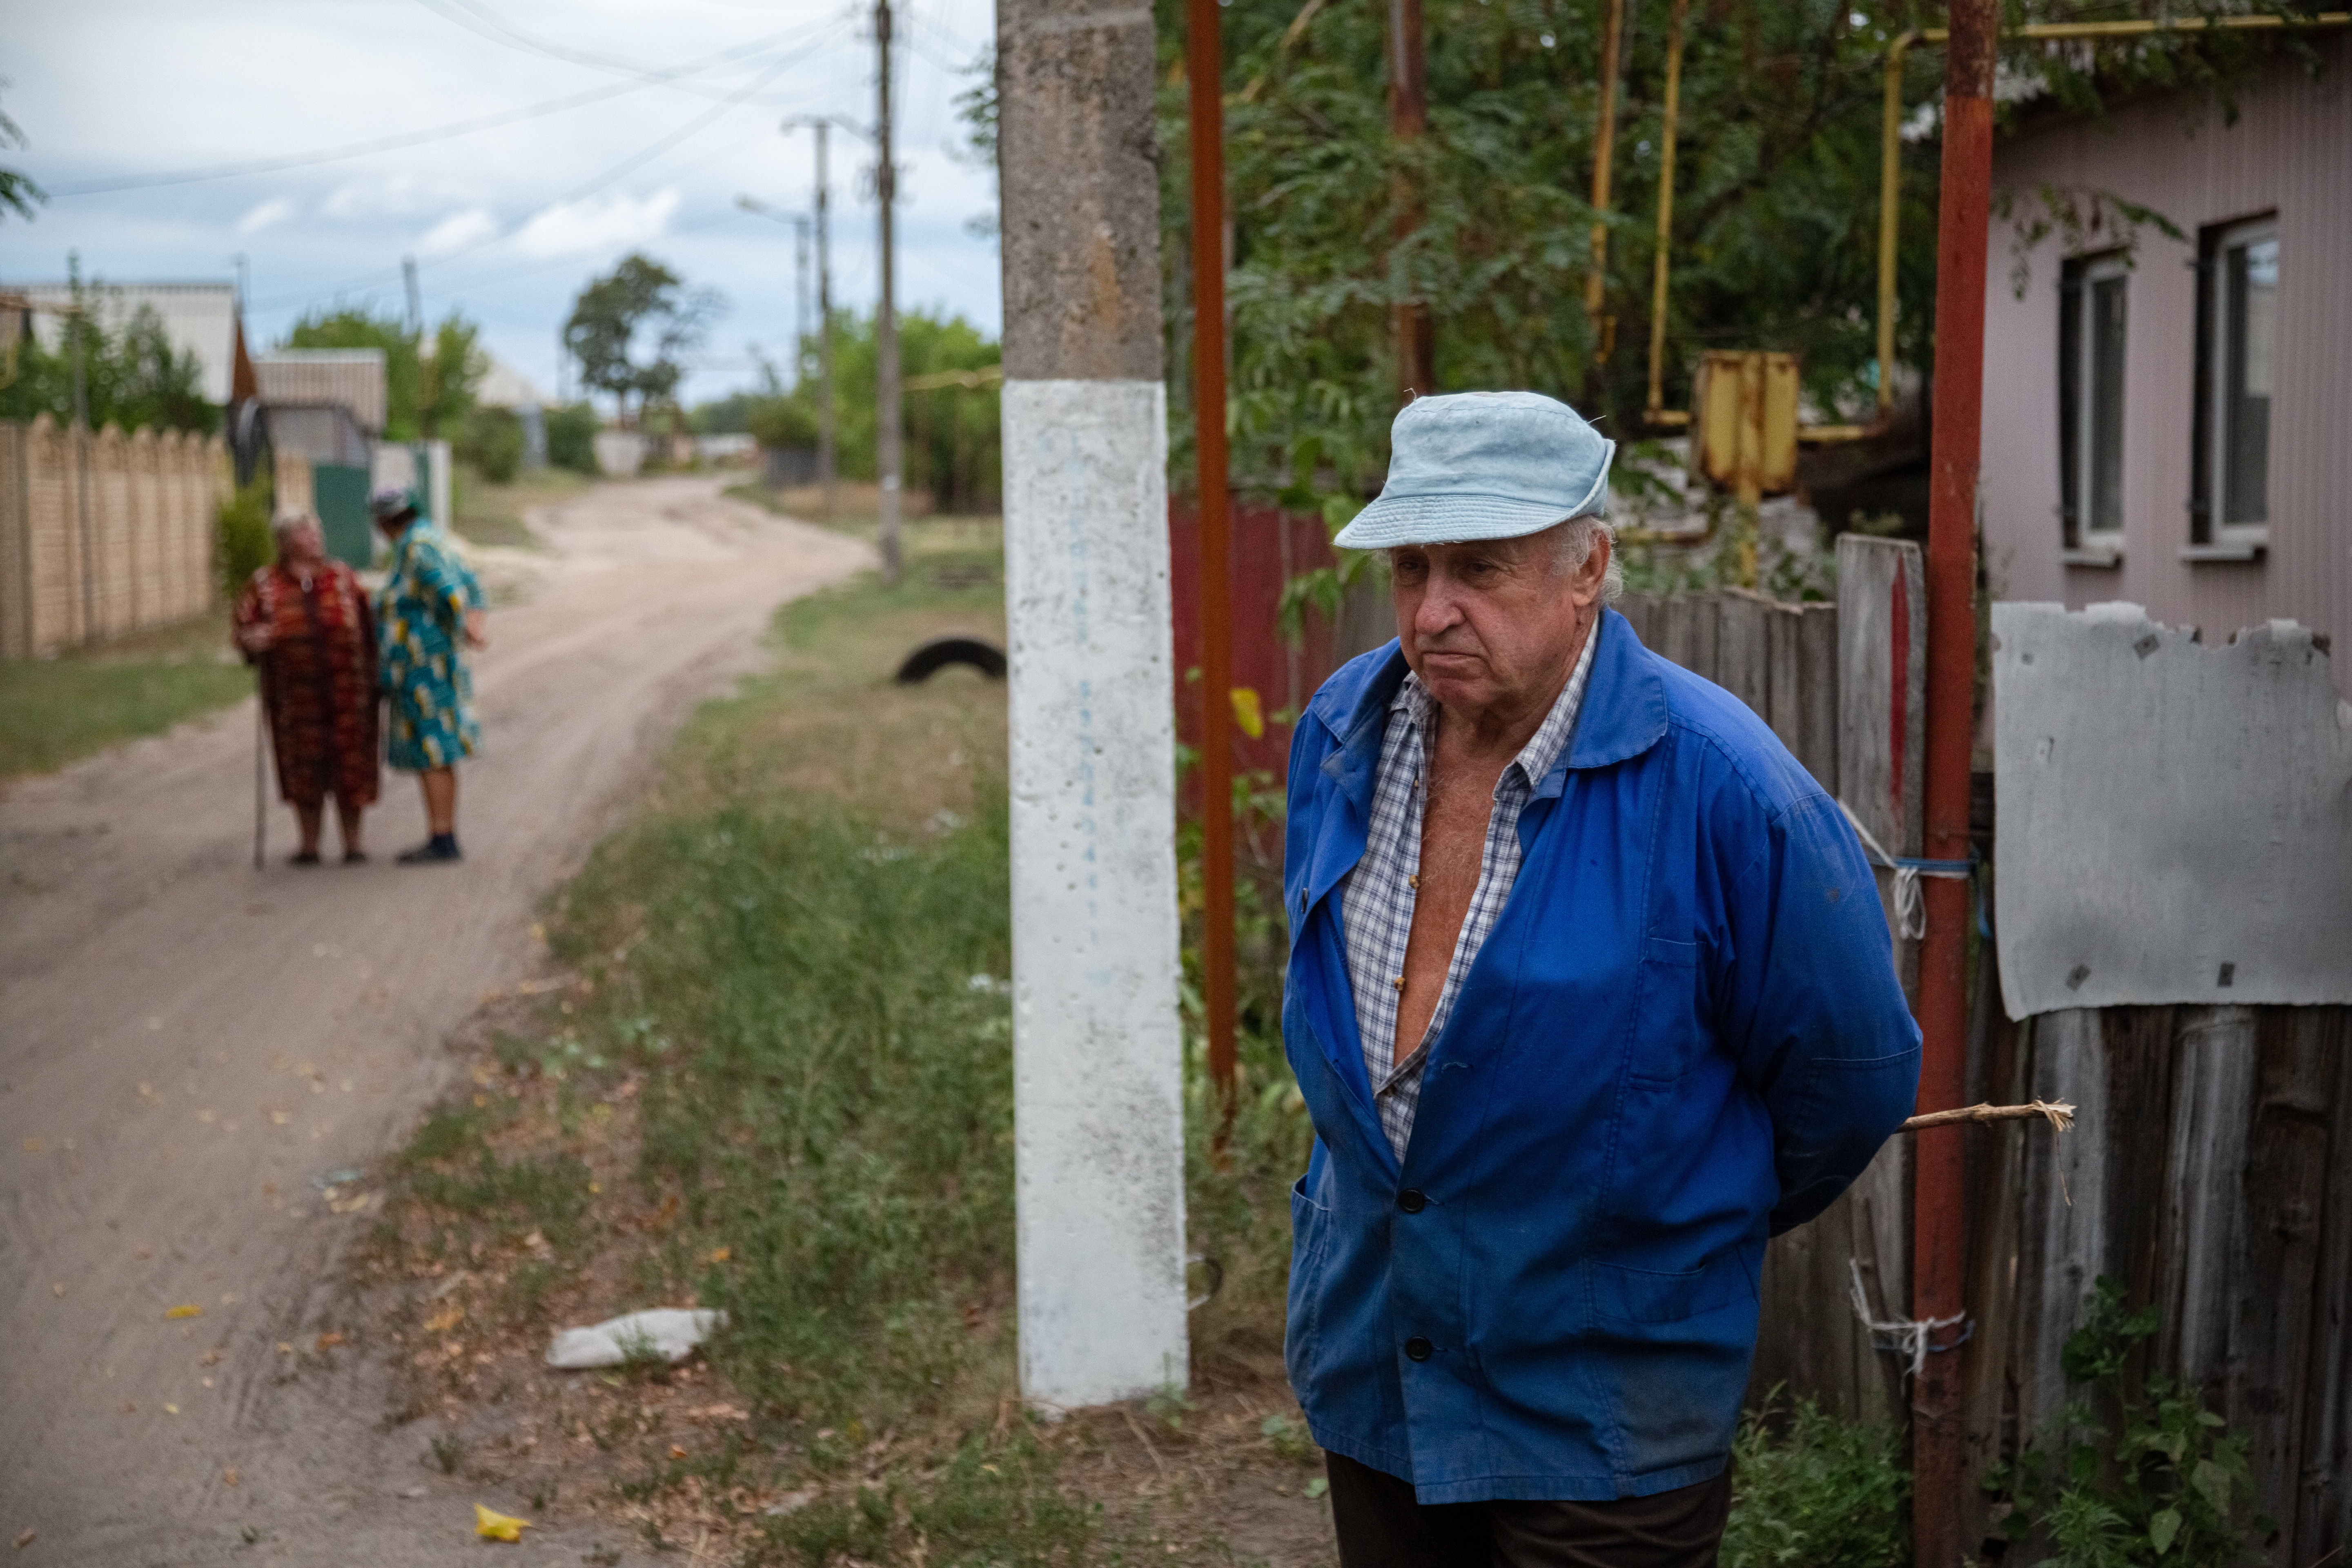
(493, 514)
(54, 710)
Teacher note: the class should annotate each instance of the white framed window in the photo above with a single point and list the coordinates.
(2237, 285)
(2094, 325)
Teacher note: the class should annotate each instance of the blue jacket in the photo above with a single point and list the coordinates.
(1683, 1034)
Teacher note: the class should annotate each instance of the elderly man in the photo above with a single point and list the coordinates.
(1590, 994)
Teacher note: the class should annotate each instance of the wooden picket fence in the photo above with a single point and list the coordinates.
(2209, 1171)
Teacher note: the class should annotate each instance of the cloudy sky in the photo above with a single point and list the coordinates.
(616, 125)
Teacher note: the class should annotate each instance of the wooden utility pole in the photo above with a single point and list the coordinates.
(1940, 1258)
(1098, 1102)
(1204, 73)
(1416, 333)
(889, 418)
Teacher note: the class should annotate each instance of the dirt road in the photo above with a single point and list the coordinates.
(187, 1046)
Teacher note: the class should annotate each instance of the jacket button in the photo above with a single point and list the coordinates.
(1417, 1348)
(1413, 1200)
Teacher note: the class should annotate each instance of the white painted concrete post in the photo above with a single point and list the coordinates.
(1098, 1048)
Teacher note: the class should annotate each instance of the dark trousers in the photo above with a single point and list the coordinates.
(1380, 1525)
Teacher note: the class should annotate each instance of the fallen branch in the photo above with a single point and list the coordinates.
(2060, 1116)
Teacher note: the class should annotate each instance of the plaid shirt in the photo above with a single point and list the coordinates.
(1376, 903)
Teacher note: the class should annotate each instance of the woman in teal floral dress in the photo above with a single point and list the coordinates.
(429, 606)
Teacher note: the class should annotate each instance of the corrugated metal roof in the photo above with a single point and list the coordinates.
(199, 319)
(353, 377)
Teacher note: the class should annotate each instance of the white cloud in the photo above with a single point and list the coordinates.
(458, 231)
(598, 224)
(395, 195)
(277, 210)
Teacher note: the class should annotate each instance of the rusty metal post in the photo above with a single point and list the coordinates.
(1939, 1257)
(1204, 71)
(1656, 402)
(1416, 332)
(1890, 213)
(1604, 157)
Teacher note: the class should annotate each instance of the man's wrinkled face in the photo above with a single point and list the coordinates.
(1494, 623)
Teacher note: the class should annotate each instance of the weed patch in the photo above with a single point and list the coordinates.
(53, 710)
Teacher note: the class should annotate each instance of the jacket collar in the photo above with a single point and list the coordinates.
(1624, 710)
(1623, 713)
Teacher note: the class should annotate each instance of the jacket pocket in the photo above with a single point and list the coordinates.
(1310, 1242)
(1624, 1297)
(1669, 1032)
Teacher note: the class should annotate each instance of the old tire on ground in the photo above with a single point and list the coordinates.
(935, 655)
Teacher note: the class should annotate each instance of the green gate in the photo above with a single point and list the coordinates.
(340, 496)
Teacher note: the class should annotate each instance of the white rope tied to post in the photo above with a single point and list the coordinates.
(1907, 1335)
(1910, 913)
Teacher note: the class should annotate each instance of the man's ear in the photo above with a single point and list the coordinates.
(1594, 570)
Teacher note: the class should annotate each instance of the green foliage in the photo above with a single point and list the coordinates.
(952, 440)
(131, 376)
(1485, 219)
(491, 440)
(2143, 1476)
(427, 395)
(246, 545)
(1811, 1490)
(572, 437)
(777, 422)
(631, 329)
(18, 193)
(842, 1115)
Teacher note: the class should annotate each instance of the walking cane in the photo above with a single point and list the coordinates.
(260, 736)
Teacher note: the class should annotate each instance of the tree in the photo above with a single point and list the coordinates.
(630, 328)
(131, 376)
(953, 445)
(1775, 209)
(19, 194)
(426, 395)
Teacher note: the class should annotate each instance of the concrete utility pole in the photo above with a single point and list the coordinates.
(889, 418)
(824, 421)
(1940, 1254)
(416, 295)
(1408, 118)
(1098, 1068)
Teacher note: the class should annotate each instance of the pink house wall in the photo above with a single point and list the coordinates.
(2290, 152)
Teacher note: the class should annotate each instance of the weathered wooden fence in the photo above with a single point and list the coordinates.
(2210, 1170)
(102, 534)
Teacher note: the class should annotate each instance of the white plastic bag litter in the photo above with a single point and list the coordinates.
(669, 1333)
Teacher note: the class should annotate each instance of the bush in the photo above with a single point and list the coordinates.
(780, 422)
(572, 437)
(491, 439)
(246, 545)
(2139, 1474)
(1811, 1490)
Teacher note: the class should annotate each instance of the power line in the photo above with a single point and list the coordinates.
(626, 166)
(484, 23)
(436, 133)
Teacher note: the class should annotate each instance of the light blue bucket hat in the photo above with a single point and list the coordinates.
(1483, 465)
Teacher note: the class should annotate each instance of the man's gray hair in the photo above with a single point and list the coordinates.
(1578, 536)
(282, 526)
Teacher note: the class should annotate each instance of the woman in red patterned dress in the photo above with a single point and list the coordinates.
(306, 621)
